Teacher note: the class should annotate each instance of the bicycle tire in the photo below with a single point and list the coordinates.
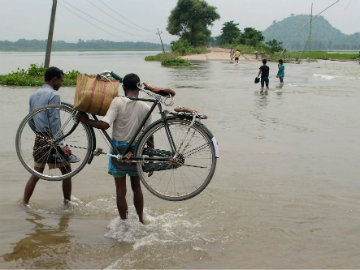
(79, 141)
(195, 170)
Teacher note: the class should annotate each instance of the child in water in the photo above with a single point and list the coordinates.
(281, 72)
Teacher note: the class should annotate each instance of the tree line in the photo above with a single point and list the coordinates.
(81, 45)
(190, 20)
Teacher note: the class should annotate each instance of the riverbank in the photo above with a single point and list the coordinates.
(218, 54)
(222, 54)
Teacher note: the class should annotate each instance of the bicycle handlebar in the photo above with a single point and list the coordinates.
(115, 76)
(167, 100)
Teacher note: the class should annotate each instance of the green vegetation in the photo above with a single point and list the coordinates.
(274, 46)
(175, 62)
(247, 42)
(34, 76)
(81, 45)
(318, 55)
(230, 32)
(183, 47)
(232, 35)
(324, 35)
(168, 59)
(190, 20)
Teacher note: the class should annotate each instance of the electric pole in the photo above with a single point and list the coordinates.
(309, 40)
(158, 33)
(50, 36)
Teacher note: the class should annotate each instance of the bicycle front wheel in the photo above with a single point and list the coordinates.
(181, 174)
(39, 150)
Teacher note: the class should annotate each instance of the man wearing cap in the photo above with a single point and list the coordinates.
(125, 115)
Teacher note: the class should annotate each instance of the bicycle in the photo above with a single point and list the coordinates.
(182, 159)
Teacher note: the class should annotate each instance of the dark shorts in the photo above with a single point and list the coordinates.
(264, 80)
(43, 153)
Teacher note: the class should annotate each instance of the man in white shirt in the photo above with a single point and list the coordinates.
(125, 115)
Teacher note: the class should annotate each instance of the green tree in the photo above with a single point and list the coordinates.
(274, 45)
(251, 36)
(181, 47)
(229, 33)
(190, 20)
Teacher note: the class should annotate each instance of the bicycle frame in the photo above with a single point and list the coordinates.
(118, 154)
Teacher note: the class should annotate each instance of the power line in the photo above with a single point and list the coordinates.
(119, 14)
(88, 21)
(106, 24)
(348, 4)
(115, 18)
(302, 27)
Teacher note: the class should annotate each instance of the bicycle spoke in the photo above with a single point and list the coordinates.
(46, 152)
(189, 171)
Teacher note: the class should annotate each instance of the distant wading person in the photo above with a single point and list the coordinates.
(237, 55)
(231, 54)
(264, 73)
(60, 158)
(281, 72)
(125, 115)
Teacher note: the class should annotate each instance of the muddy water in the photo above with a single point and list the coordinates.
(285, 193)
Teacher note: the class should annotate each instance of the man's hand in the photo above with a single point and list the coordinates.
(81, 116)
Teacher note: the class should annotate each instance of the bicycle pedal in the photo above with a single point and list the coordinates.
(98, 152)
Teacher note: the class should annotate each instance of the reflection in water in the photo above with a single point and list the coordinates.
(261, 103)
(45, 247)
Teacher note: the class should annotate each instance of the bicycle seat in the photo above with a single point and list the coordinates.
(160, 91)
(184, 109)
(189, 111)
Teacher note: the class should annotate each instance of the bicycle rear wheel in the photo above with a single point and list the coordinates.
(182, 175)
(40, 150)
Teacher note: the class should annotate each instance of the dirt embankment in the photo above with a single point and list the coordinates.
(219, 54)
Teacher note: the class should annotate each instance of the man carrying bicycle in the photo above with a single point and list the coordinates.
(45, 126)
(125, 115)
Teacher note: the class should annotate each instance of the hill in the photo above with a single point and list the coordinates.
(81, 45)
(324, 35)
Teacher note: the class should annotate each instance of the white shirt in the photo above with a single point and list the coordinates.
(126, 115)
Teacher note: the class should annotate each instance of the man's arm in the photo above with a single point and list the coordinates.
(259, 72)
(94, 123)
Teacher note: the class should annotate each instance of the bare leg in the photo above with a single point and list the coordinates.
(138, 196)
(121, 203)
(30, 185)
(66, 184)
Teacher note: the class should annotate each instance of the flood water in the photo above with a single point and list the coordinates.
(285, 192)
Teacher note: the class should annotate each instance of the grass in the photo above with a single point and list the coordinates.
(320, 55)
(177, 62)
(168, 60)
(34, 76)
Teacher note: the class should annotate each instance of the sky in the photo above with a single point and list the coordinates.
(139, 20)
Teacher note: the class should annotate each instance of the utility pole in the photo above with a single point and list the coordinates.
(158, 33)
(302, 27)
(50, 36)
(309, 40)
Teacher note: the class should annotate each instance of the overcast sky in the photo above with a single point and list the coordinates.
(138, 20)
